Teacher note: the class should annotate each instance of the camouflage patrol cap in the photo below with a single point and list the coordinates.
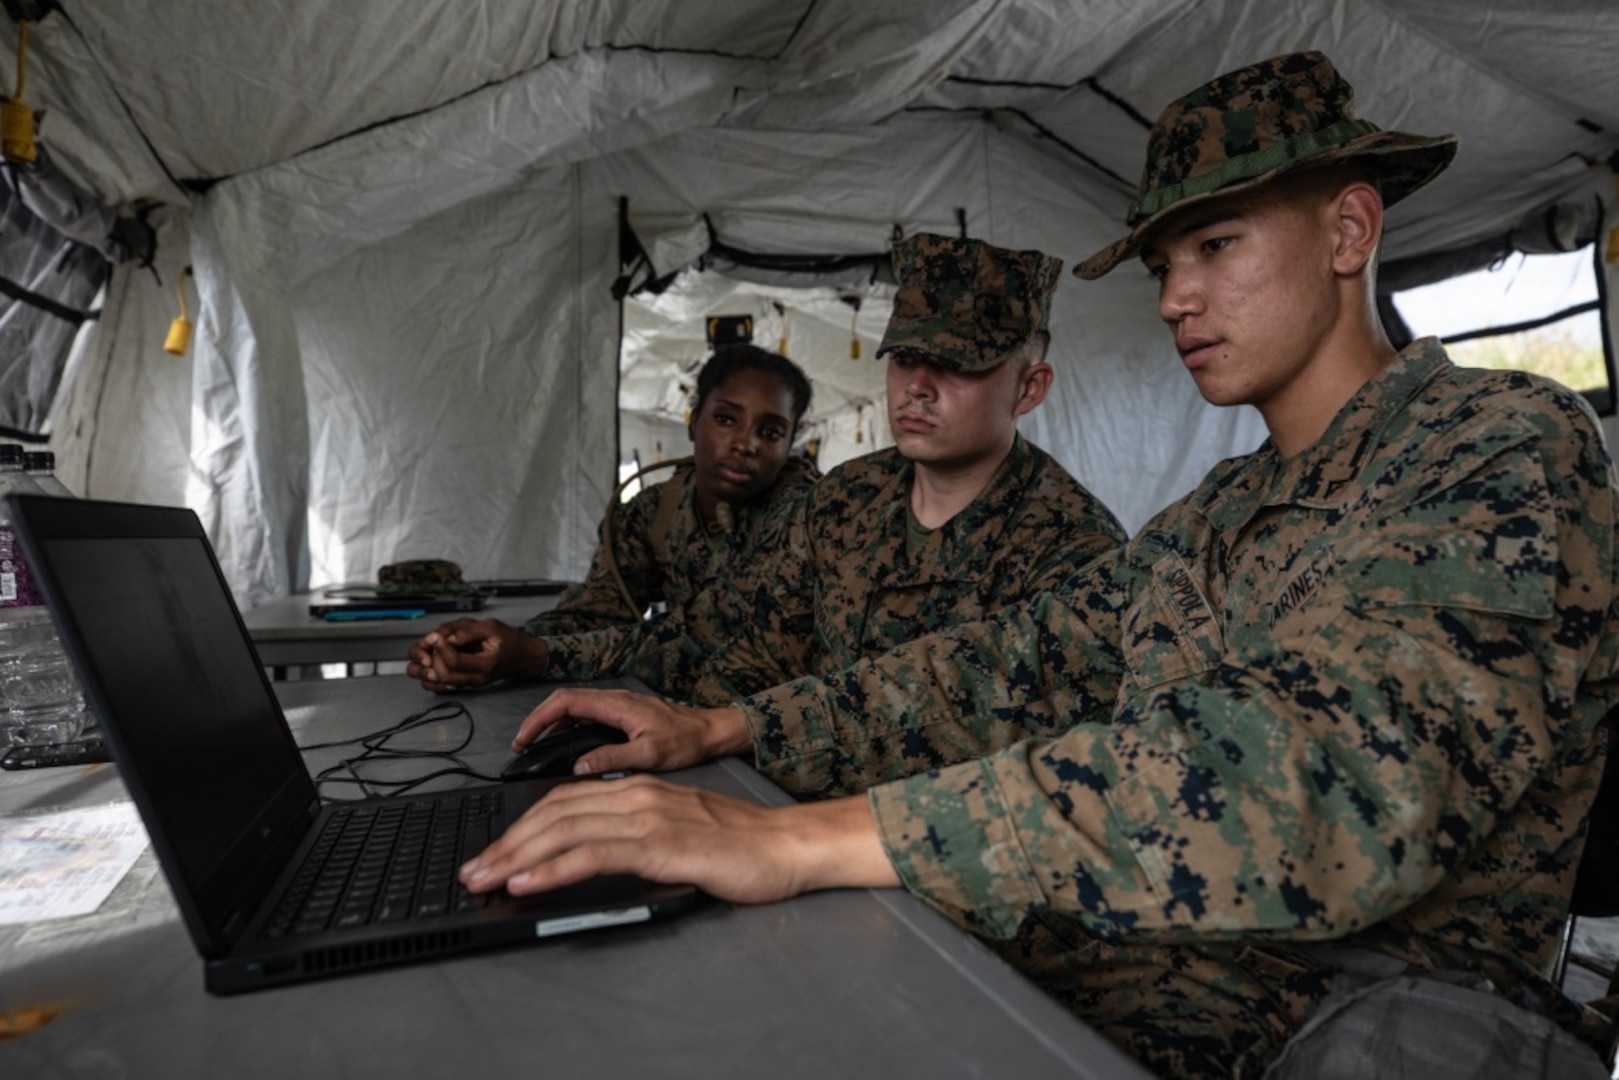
(964, 304)
(1251, 125)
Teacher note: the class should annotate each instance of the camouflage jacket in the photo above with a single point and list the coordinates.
(700, 576)
(1024, 533)
(1353, 695)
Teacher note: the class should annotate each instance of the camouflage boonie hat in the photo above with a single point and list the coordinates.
(965, 304)
(1253, 124)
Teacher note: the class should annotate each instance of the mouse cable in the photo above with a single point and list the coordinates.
(377, 749)
(367, 783)
(439, 712)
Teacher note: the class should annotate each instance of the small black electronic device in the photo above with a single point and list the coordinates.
(396, 606)
(554, 755)
(89, 751)
(520, 586)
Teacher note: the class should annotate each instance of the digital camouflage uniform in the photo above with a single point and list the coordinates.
(700, 575)
(1357, 699)
(1026, 532)
(963, 305)
(1329, 710)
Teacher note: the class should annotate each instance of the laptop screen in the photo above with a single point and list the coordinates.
(198, 732)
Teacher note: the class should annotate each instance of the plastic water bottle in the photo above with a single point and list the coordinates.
(40, 465)
(40, 699)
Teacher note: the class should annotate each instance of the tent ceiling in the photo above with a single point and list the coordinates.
(143, 93)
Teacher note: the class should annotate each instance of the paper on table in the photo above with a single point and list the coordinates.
(65, 863)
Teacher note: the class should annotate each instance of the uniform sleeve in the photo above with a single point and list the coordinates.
(1030, 668)
(1088, 532)
(592, 654)
(661, 652)
(597, 602)
(1430, 713)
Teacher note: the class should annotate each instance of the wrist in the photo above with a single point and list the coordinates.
(533, 657)
(728, 732)
(836, 845)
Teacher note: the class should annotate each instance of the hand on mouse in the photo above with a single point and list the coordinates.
(733, 850)
(475, 652)
(662, 735)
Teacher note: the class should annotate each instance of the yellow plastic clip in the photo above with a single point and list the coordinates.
(1611, 255)
(179, 339)
(16, 118)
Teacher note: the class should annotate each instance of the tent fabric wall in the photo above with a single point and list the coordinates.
(485, 367)
(384, 204)
(123, 428)
(261, 238)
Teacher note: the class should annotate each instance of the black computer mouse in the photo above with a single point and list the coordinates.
(554, 754)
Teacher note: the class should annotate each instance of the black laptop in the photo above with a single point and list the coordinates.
(248, 847)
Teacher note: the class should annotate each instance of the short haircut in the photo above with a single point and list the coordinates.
(730, 359)
(1332, 176)
(1037, 347)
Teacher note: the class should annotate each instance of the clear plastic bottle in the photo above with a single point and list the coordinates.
(40, 699)
(40, 465)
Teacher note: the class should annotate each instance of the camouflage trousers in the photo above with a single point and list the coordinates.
(1217, 1009)
(1180, 1011)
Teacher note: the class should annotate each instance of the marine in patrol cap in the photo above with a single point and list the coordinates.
(1252, 125)
(964, 304)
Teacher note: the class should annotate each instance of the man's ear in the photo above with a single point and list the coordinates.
(1358, 213)
(1033, 386)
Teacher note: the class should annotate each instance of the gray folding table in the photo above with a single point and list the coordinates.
(852, 983)
(286, 635)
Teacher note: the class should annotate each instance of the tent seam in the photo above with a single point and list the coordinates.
(203, 183)
(112, 87)
(1089, 82)
(1127, 186)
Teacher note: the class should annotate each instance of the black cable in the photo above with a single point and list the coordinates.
(377, 748)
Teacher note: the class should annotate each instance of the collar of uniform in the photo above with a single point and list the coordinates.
(797, 471)
(947, 555)
(1329, 472)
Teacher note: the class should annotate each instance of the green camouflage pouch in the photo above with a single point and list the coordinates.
(420, 577)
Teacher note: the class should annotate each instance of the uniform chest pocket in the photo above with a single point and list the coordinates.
(1171, 632)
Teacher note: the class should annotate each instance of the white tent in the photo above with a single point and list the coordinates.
(406, 223)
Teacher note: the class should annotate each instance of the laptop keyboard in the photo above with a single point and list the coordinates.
(383, 862)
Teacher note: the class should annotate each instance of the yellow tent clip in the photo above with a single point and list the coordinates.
(16, 118)
(1612, 254)
(179, 339)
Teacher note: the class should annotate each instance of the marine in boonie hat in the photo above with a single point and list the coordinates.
(1251, 125)
(964, 304)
